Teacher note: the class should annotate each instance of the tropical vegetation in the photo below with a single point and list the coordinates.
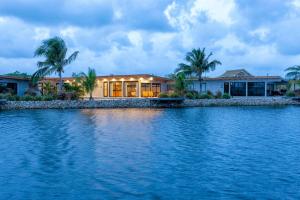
(55, 52)
(197, 63)
(88, 81)
(293, 72)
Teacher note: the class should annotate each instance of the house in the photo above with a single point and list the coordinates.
(14, 85)
(124, 86)
(241, 83)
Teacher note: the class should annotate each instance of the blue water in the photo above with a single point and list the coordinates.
(195, 153)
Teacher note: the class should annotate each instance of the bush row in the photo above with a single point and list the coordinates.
(196, 95)
(10, 97)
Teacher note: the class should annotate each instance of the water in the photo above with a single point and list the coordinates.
(196, 153)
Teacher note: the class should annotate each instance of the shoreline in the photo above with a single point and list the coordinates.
(146, 103)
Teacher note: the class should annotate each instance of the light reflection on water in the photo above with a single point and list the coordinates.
(197, 153)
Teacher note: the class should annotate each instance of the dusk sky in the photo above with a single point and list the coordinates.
(153, 36)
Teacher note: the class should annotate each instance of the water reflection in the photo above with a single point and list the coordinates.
(228, 153)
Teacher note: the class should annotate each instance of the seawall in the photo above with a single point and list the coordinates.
(146, 103)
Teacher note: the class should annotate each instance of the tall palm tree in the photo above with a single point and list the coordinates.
(88, 81)
(198, 63)
(55, 52)
(293, 72)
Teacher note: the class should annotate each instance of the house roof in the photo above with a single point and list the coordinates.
(14, 78)
(236, 73)
(127, 76)
(239, 74)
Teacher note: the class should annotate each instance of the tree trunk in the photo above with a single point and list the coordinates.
(91, 96)
(60, 85)
(200, 82)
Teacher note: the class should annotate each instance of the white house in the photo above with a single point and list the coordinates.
(241, 83)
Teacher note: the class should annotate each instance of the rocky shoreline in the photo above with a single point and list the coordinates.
(146, 103)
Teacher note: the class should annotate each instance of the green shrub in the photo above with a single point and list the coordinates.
(47, 98)
(163, 95)
(174, 95)
(27, 98)
(192, 94)
(12, 98)
(209, 93)
(3, 96)
(205, 96)
(290, 94)
(218, 95)
(226, 96)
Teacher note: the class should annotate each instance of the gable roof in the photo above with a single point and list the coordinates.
(236, 73)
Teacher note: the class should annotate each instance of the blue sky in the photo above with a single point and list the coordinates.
(146, 36)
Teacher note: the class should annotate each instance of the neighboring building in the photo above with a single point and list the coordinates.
(14, 85)
(120, 86)
(294, 85)
(241, 83)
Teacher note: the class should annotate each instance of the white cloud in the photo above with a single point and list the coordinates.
(41, 33)
(135, 38)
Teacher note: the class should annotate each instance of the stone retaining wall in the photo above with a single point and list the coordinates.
(145, 103)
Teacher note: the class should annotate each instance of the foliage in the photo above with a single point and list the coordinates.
(49, 89)
(55, 51)
(163, 95)
(218, 95)
(75, 90)
(174, 95)
(205, 96)
(293, 72)
(290, 94)
(88, 81)
(209, 93)
(192, 95)
(180, 83)
(226, 96)
(198, 63)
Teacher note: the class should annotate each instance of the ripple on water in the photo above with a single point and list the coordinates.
(207, 153)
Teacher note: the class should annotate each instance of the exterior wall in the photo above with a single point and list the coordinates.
(98, 92)
(22, 85)
(218, 85)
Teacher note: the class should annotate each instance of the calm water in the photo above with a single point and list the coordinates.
(196, 153)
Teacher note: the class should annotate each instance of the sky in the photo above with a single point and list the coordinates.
(147, 36)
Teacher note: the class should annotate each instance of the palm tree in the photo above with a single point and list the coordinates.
(293, 72)
(180, 83)
(55, 52)
(88, 81)
(198, 63)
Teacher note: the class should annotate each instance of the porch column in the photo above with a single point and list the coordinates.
(246, 88)
(140, 89)
(108, 88)
(123, 90)
(266, 88)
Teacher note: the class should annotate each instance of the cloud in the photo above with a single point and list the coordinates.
(132, 36)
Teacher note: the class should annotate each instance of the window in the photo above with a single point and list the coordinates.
(155, 89)
(256, 89)
(105, 89)
(238, 88)
(146, 90)
(115, 89)
(131, 89)
(9, 88)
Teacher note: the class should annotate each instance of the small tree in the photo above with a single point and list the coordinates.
(180, 83)
(88, 81)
